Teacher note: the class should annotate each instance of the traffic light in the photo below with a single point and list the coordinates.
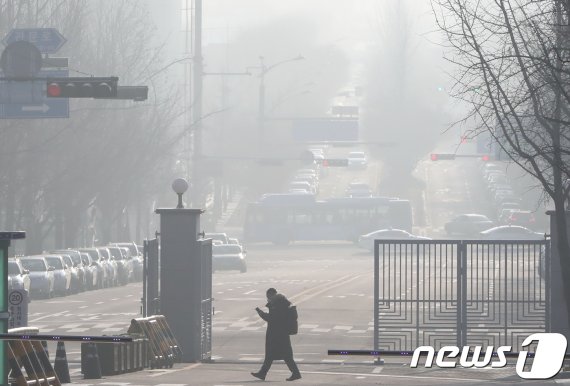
(442, 156)
(485, 158)
(87, 87)
(342, 162)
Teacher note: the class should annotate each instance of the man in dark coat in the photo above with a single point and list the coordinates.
(277, 340)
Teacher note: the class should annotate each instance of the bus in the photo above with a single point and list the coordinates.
(285, 218)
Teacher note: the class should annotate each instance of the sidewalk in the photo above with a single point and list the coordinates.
(236, 374)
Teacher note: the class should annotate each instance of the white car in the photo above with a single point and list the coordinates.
(367, 241)
(357, 159)
(511, 232)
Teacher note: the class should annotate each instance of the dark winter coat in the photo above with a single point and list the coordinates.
(277, 340)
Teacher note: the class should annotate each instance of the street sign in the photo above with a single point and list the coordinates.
(18, 308)
(40, 108)
(48, 40)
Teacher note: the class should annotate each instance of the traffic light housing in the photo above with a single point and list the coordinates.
(82, 87)
(442, 156)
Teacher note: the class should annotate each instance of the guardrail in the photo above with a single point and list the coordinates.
(163, 350)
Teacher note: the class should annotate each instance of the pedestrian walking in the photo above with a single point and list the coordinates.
(277, 340)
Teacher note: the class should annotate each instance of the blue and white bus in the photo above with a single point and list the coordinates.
(285, 218)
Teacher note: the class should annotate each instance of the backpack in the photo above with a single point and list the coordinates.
(292, 324)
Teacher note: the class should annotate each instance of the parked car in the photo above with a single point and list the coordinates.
(234, 241)
(136, 255)
(217, 236)
(468, 224)
(75, 285)
(110, 266)
(91, 271)
(367, 241)
(122, 257)
(357, 159)
(78, 266)
(228, 256)
(61, 274)
(41, 276)
(18, 276)
(298, 185)
(97, 262)
(511, 232)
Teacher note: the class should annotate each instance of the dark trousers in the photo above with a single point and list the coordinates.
(288, 360)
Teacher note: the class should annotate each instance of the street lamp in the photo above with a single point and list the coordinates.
(264, 69)
(180, 186)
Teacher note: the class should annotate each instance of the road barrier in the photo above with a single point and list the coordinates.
(163, 347)
(61, 366)
(31, 356)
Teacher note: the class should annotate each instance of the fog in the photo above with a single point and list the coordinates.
(324, 51)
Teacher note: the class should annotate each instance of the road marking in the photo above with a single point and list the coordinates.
(83, 306)
(251, 359)
(78, 330)
(170, 371)
(321, 330)
(308, 326)
(249, 292)
(70, 325)
(99, 302)
(113, 329)
(377, 370)
(394, 376)
(357, 331)
(342, 328)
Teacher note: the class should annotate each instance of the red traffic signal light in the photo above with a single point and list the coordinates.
(442, 156)
(82, 87)
(486, 158)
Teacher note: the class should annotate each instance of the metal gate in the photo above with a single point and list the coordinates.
(206, 303)
(459, 293)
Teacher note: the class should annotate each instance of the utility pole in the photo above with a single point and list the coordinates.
(197, 178)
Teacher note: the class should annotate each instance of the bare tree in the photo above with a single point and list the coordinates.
(109, 157)
(512, 60)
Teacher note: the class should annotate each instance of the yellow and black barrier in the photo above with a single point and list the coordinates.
(163, 348)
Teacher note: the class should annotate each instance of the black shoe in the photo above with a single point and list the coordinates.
(294, 377)
(260, 376)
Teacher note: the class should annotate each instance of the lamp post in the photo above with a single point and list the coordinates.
(180, 186)
(264, 69)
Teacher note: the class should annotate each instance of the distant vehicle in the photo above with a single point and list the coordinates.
(217, 236)
(357, 159)
(61, 274)
(302, 185)
(228, 256)
(286, 218)
(367, 241)
(523, 218)
(233, 241)
(513, 206)
(468, 224)
(505, 214)
(511, 232)
(18, 276)
(41, 276)
(358, 189)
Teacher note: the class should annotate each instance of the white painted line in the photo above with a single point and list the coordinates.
(249, 292)
(357, 331)
(214, 328)
(83, 306)
(99, 302)
(377, 370)
(395, 376)
(342, 328)
(249, 328)
(321, 330)
(308, 326)
(331, 361)
(251, 359)
(77, 330)
(70, 325)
